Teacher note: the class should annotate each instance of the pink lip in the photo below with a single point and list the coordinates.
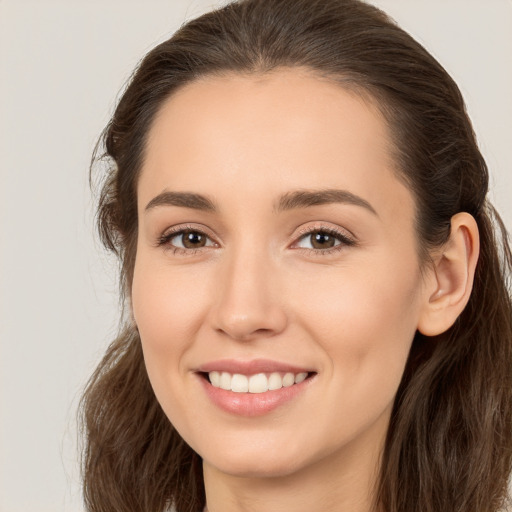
(251, 404)
(250, 367)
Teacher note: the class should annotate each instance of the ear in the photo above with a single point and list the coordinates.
(449, 284)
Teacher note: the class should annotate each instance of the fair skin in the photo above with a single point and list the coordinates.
(333, 290)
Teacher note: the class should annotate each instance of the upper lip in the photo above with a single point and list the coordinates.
(251, 367)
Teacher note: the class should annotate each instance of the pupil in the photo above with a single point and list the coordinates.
(193, 239)
(322, 240)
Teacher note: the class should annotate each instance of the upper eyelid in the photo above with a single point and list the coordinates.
(322, 226)
(344, 239)
(175, 230)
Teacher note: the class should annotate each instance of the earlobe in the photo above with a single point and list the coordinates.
(451, 281)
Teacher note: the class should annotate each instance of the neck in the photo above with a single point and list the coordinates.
(343, 481)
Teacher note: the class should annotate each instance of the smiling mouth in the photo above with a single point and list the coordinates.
(256, 383)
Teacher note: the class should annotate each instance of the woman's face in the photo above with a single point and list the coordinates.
(275, 244)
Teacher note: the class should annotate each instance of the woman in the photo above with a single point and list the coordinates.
(318, 316)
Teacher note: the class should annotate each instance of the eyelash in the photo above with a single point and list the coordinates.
(343, 238)
(164, 240)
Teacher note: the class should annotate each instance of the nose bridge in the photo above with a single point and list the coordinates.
(249, 303)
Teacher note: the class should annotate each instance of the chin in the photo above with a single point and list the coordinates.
(260, 467)
(256, 461)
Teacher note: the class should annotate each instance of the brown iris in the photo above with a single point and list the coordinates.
(322, 240)
(193, 239)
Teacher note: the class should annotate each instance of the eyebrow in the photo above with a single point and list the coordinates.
(288, 201)
(308, 198)
(183, 199)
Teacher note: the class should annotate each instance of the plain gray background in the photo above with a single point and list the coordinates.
(62, 64)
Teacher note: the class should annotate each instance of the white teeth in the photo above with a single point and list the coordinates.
(258, 383)
(288, 380)
(239, 383)
(275, 381)
(300, 377)
(215, 379)
(225, 381)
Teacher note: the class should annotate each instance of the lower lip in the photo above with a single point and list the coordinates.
(253, 404)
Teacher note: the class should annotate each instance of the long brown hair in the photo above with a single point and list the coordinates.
(449, 443)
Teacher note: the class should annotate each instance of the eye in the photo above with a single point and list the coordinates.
(324, 240)
(318, 240)
(186, 239)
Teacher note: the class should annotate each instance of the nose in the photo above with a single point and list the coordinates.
(249, 303)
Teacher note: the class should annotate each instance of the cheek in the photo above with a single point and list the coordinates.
(349, 301)
(166, 305)
(167, 310)
(364, 318)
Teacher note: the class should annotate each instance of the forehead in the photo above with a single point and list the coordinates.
(269, 133)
